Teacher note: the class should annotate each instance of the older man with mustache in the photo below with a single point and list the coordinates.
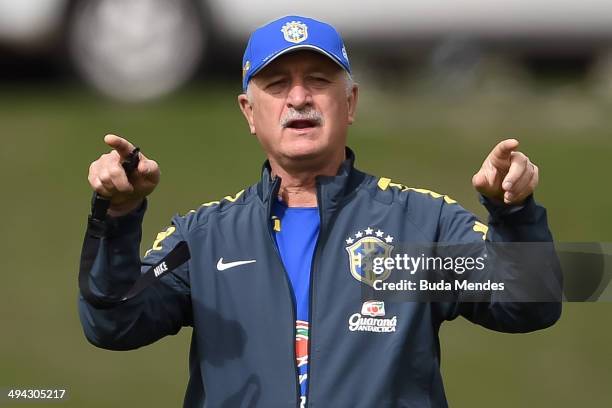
(273, 285)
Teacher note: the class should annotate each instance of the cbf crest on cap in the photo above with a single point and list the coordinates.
(288, 34)
(295, 31)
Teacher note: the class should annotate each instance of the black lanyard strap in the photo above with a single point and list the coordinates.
(100, 226)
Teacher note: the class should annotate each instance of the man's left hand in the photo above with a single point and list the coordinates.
(506, 175)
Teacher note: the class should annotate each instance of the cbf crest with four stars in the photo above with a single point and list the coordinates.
(365, 246)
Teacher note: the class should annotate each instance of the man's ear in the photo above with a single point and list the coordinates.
(247, 111)
(352, 103)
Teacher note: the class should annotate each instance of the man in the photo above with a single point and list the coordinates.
(272, 289)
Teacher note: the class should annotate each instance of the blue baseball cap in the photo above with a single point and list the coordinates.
(288, 34)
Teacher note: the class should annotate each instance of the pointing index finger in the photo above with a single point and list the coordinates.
(122, 146)
(504, 149)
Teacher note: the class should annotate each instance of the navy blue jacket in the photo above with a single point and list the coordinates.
(242, 351)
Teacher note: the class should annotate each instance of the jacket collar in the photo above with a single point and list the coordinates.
(330, 189)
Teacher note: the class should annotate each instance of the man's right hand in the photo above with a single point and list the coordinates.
(108, 179)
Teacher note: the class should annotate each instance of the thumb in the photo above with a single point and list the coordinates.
(121, 145)
(479, 180)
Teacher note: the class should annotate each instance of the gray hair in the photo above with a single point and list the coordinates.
(348, 78)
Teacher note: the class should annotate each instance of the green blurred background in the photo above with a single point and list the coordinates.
(50, 134)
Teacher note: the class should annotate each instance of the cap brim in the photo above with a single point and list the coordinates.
(298, 48)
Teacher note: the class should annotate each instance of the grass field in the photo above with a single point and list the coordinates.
(50, 134)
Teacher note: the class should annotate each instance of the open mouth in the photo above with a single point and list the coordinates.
(301, 124)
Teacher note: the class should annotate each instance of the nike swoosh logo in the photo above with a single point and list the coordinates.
(221, 266)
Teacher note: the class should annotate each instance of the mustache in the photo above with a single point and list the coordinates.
(309, 114)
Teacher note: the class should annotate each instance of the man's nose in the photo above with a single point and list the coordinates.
(299, 96)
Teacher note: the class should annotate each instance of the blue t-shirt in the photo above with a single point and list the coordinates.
(296, 232)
